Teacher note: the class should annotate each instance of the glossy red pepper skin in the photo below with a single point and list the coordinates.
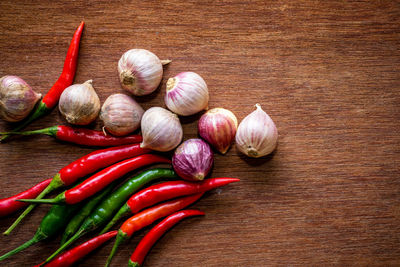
(169, 190)
(10, 205)
(165, 191)
(66, 78)
(147, 217)
(83, 136)
(156, 232)
(97, 160)
(68, 73)
(71, 256)
(89, 137)
(81, 167)
(103, 178)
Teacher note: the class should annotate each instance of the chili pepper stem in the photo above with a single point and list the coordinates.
(55, 201)
(40, 110)
(133, 264)
(51, 131)
(124, 210)
(77, 235)
(121, 237)
(25, 245)
(54, 184)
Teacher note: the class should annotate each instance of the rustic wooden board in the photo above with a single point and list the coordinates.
(328, 74)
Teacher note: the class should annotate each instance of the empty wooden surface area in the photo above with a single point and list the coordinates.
(327, 72)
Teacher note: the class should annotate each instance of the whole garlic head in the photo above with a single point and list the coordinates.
(121, 114)
(257, 135)
(161, 129)
(79, 103)
(17, 99)
(186, 94)
(140, 71)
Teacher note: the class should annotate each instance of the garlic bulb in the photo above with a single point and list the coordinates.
(193, 159)
(186, 94)
(218, 127)
(257, 135)
(161, 129)
(121, 114)
(140, 71)
(17, 99)
(79, 103)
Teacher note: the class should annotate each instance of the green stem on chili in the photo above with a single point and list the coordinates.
(52, 223)
(147, 217)
(82, 136)
(85, 211)
(155, 233)
(165, 191)
(98, 181)
(66, 78)
(106, 209)
(81, 167)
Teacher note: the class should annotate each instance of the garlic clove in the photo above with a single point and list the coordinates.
(218, 127)
(257, 134)
(17, 99)
(193, 159)
(121, 114)
(161, 129)
(79, 103)
(140, 71)
(186, 94)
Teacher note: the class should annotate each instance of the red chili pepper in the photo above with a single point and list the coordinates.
(73, 255)
(83, 136)
(155, 233)
(165, 191)
(98, 181)
(66, 78)
(83, 166)
(10, 205)
(147, 217)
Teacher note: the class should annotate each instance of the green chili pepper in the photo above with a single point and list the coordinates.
(106, 209)
(52, 223)
(84, 212)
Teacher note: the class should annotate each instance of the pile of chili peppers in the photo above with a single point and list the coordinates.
(97, 198)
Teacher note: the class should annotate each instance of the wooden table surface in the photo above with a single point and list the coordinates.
(327, 72)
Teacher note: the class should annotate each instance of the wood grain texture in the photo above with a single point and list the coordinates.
(327, 72)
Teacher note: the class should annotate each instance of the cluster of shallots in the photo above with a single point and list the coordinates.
(140, 73)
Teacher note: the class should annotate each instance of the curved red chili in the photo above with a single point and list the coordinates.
(83, 136)
(73, 255)
(147, 217)
(97, 160)
(156, 232)
(165, 191)
(83, 166)
(68, 73)
(10, 205)
(169, 190)
(66, 78)
(98, 181)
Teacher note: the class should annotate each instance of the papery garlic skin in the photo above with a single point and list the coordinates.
(140, 71)
(218, 127)
(193, 159)
(257, 135)
(161, 129)
(79, 103)
(17, 99)
(186, 94)
(121, 114)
